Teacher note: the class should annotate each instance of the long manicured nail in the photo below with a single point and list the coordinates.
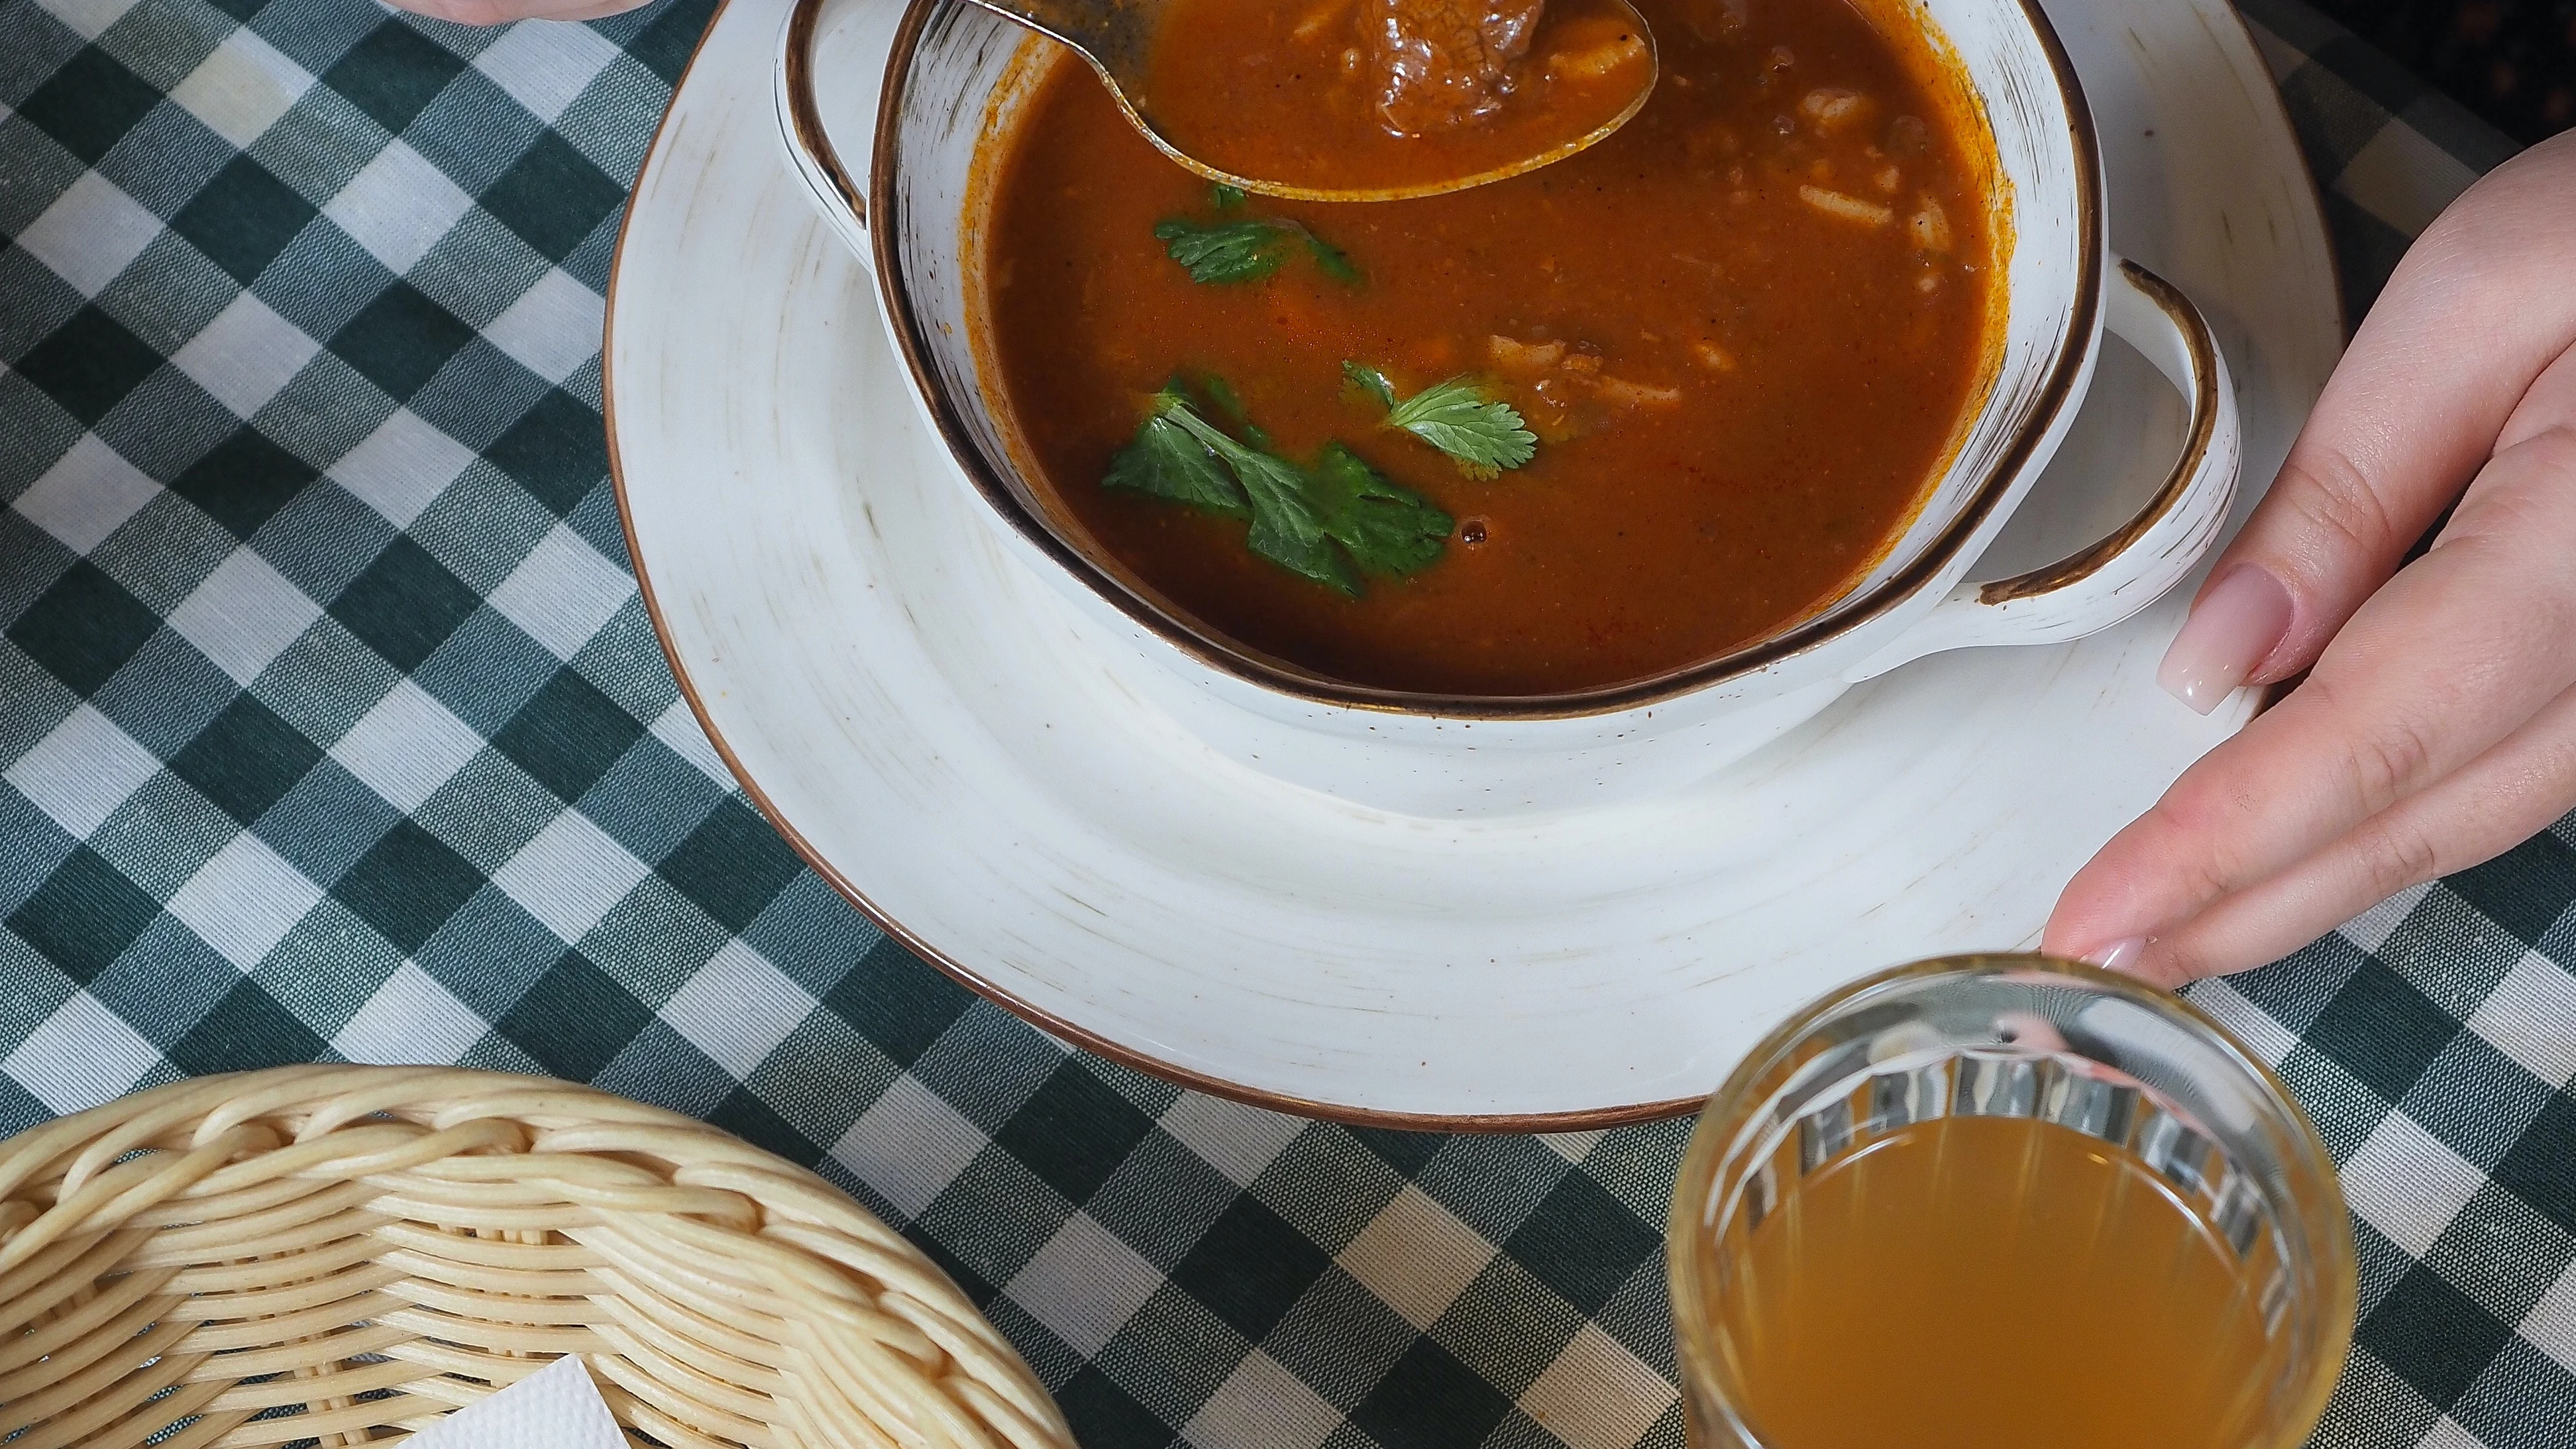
(2235, 627)
(2119, 955)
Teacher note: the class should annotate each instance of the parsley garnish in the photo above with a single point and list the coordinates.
(1229, 251)
(1388, 528)
(1371, 381)
(1167, 462)
(1230, 403)
(1226, 195)
(1459, 417)
(1331, 260)
(1220, 252)
(1330, 523)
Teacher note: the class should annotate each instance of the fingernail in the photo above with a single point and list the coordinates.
(2119, 955)
(2235, 627)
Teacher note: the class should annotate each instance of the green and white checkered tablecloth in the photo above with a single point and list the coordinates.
(331, 726)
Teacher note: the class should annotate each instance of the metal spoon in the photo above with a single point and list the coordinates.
(1117, 37)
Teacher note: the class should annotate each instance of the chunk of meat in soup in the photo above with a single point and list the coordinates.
(1438, 64)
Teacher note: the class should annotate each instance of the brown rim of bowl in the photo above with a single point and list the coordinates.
(1278, 676)
(808, 123)
(2203, 413)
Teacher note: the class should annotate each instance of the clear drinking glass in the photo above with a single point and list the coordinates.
(2030, 1037)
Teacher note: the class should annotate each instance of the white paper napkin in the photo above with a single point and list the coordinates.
(557, 1407)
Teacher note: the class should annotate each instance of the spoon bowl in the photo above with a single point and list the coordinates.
(1119, 39)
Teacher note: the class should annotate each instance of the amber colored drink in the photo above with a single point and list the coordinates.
(1995, 1282)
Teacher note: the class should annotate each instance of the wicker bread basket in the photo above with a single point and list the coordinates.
(345, 1253)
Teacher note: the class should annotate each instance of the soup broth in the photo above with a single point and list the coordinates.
(1742, 334)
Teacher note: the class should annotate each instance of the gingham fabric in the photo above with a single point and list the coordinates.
(332, 727)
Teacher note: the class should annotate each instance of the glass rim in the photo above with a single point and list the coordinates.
(2316, 1203)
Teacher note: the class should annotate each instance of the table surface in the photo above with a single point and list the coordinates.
(331, 726)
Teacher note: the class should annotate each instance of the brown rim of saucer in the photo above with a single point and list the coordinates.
(959, 971)
(802, 22)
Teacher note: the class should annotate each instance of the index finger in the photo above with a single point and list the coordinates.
(2481, 304)
(2455, 654)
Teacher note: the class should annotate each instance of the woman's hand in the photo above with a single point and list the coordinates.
(501, 12)
(2437, 728)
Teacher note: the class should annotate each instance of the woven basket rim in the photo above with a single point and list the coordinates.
(351, 1251)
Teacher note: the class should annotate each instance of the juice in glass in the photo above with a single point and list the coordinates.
(2006, 1203)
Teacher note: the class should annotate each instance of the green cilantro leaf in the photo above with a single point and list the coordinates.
(1459, 417)
(1287, 528)
(1370, 381)
(1330, 523)
(1389, 528)
(1165, 461)
(1221, 252)
(1331, 260)
(1226, 196)
(1230, 403)
(1226, 251)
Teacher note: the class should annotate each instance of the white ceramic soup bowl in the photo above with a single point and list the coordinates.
(882, 107)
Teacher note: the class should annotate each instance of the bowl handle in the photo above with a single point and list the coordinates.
(2116, 576)
(839, 194)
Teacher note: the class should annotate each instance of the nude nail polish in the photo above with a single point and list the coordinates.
(2119, 955)
(2234, 628)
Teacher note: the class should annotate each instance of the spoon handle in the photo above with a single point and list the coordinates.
(1116, 36)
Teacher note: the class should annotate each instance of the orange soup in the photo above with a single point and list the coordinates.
(1582, 427)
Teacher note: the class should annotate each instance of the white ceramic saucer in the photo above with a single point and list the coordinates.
(953, 746)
